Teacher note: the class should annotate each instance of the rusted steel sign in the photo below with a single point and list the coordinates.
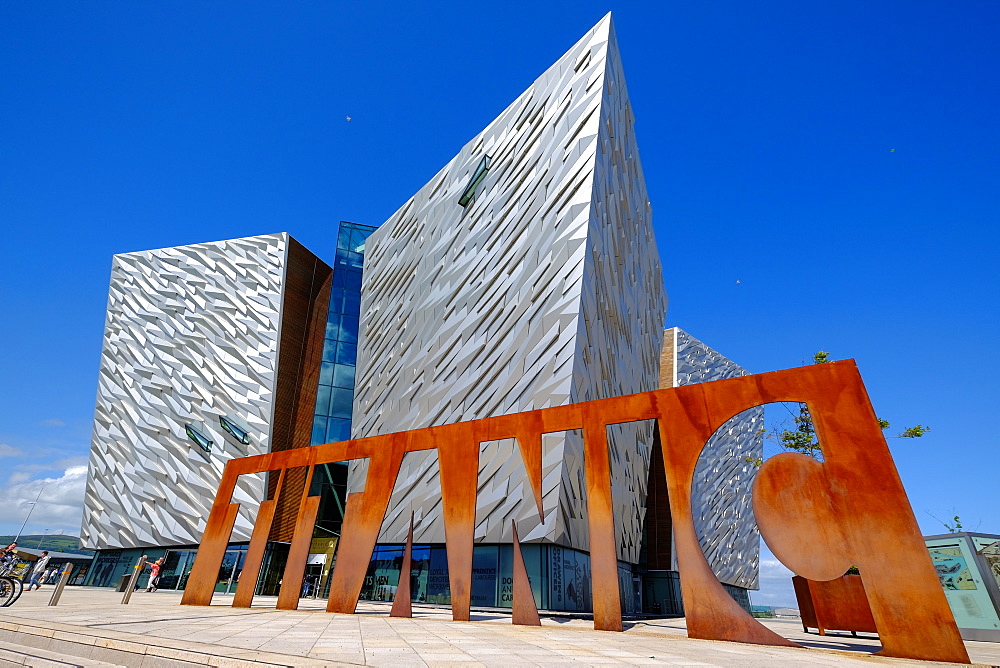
(818, 518)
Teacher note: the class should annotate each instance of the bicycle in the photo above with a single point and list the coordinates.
(11, 584)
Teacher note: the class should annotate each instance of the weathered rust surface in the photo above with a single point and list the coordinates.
(458, 457)
(298, 551)
(834, 605)
(804, 600)
(363, 517)
(247, 583)
(523, 607)
(857, 500)
(601, 521)
(402, 606)
(205, 572)
(711, 612)
(851, 508)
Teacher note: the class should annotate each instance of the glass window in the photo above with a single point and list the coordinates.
(338, 430)
(333, 326)
(349, 329)
(323, 400)
(337, 301)
(484, 575)
(338, 277)
(319, 430)
(326, 374)
(343, 377)
(203, 441)
(352, 303)
(330, 351)
(239, 433)
(477, 177)
(341, 403)
(344, 237)
(358, 237)
(347, 353)
(352, 280)
(355, 261)
(438, 586)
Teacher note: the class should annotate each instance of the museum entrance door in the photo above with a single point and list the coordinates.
(229, 571)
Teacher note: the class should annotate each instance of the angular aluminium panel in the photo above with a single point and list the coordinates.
(544, 289)
(192, 335)
(721, 490)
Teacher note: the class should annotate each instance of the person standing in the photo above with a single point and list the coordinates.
(39, 570)
(154, 575)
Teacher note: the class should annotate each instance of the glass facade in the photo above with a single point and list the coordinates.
(560, 576)
(335, 398)
(109, 566)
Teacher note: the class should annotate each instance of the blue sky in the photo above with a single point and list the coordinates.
(839, 160)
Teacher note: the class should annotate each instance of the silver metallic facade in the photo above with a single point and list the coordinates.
(545, 290)
(721, 493)
(191, 334)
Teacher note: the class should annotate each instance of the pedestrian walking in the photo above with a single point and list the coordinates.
(38, 571)
(47, 575)
(154, 575)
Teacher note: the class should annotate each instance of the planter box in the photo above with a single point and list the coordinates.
(839, 605)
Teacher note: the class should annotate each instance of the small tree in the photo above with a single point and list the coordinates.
(802, 437)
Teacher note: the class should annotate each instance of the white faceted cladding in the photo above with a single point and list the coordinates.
(191, 335)
(723, 478)
(545, 290)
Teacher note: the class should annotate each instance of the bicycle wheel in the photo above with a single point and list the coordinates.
(10, 590)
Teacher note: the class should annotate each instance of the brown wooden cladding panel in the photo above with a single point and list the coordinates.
(659, 523)
(303, 326)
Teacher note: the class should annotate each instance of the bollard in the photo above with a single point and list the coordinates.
(135, 578)
(67, 569)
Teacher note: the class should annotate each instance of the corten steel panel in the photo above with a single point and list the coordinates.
(804, 600)
(402, 606)
(298, 551)
(458, 453)
(287, 505)
(247, 585)
(523, 608)
(659, 527)
(306, 301)
(721, 487)
(364, 513)
(215, 540)
(856, 491)
(837, 605)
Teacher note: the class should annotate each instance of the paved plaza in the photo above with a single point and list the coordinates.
(90, 627)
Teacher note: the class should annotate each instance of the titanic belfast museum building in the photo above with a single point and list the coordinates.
(524, 275)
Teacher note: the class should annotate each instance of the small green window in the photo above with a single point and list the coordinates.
(234, 430)
(477, 177)
(199, 438)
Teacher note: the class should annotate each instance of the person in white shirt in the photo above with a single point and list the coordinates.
(36, 573)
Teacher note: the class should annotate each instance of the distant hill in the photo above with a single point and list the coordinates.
(56, 543)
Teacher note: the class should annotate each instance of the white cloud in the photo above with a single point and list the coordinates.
(59, 508)
(54, 422)
(10, 451)
(775, 583)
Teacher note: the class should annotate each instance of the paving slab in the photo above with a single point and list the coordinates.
(155, 630)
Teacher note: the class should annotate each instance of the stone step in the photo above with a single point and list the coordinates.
(12, 654)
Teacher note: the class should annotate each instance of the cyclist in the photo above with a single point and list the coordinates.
(8, 559)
